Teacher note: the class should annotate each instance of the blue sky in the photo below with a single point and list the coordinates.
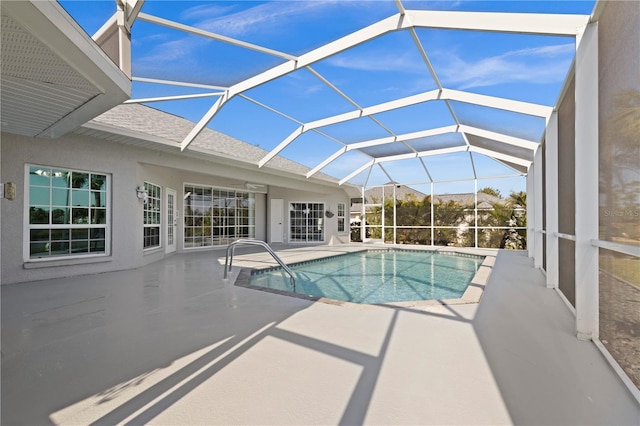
(524, 68)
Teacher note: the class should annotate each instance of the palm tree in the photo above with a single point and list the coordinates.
(511, 213)
(491, 191)
(517, 199)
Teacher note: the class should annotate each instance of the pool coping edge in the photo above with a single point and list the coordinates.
(472, 295)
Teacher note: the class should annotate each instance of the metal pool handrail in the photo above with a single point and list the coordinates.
(232, 247)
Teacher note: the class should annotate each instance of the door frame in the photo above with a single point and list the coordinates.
(276, 234)
(172, 220)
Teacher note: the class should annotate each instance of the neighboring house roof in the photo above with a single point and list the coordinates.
(375, 195)
(485, 201)
(402, 192)
(150, 127)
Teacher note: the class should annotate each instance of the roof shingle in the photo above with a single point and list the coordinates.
(150, 121)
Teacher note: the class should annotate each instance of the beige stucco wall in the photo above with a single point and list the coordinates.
(129, 167)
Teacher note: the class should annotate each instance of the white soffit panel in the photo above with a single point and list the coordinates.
(54, 77)
(30, 107)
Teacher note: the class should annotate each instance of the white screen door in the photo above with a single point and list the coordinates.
(277, 219)
(172, 221)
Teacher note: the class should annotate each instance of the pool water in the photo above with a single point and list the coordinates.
(374, 277)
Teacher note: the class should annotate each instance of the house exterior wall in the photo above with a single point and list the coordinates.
(130, 167)
(176, 178)
(73, 153)
(330, 200)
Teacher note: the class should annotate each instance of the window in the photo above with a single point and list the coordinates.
(341, 218)
(68, 212)
(306, 221)
(152, 216)
(215, 216)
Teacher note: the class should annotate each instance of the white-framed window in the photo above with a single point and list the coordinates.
(67, 213)
(306, 222)
(341, 217)
(217, 216)
(152, 216)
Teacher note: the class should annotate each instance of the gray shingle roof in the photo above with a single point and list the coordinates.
(485, 201)
(150, 121)
(402, 192)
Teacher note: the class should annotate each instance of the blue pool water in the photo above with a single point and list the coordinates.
(378, 276)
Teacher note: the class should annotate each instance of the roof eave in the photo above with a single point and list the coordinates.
(52, 26)
(130, 137)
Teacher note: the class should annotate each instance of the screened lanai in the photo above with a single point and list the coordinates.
(498, 98)
(367, 92)
(442, 98)
(502, 125)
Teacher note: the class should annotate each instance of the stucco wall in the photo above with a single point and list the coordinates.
(330, 199)
(176, 178)
(72, 153)
(129, 167)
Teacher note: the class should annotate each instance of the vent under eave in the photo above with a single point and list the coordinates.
(53, 76)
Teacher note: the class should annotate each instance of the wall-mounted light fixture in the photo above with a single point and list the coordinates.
(142, 194)
(8, 190)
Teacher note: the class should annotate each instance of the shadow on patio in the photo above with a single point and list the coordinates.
(172, 343)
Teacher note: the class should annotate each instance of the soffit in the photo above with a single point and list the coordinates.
(53, 77)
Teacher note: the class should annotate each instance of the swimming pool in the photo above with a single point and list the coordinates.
(377, 276)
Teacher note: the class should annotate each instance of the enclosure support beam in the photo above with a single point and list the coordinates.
(523, 23)
(475, 211)
(356, 172)
(383, 223)
(586, 189)
(537, 185)
(432, 217)
(443, 94)
(395, 223)
(363, 218)
(531, 200)
(500, 156)
(551, 203)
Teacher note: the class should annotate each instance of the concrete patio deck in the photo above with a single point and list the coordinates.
(172, 343)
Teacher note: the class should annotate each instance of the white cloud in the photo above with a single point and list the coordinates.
(303, 83)
(171, 51)
(222, 19)
(393, 60)
(205, 10)
(543, 65)
(312, 89)
(540, 64)
(545, 51)
(260, 18)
